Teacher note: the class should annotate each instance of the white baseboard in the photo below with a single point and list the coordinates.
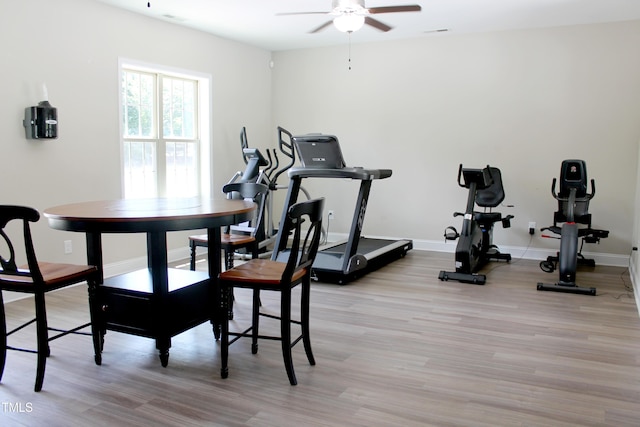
(519, 252)
(516, 252)
(635, 282)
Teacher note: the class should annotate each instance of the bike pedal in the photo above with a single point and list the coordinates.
(450, 233)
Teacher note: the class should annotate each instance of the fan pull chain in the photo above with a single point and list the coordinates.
(350, 50)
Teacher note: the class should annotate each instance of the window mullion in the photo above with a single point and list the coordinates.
(161, 144)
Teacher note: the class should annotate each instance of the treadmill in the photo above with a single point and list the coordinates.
(345, 261)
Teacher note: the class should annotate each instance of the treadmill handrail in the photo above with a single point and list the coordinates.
(348, 172)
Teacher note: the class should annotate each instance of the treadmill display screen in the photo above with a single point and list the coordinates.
(319, 151)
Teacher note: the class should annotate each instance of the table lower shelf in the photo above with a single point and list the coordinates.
(128, 303)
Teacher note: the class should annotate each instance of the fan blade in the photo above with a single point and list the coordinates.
(302, 13)
(321, 27)
(376, 24)
(392, 9)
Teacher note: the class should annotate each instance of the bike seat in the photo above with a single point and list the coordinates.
(487, 217)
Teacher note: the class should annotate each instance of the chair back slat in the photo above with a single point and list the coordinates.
(303, 245)
(8, 263)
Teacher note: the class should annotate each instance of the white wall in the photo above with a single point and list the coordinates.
(73, 46)
(634, 262)
(522, 101)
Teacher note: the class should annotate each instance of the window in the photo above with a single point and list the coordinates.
(162, 132)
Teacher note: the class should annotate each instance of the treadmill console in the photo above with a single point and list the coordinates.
(319, 151)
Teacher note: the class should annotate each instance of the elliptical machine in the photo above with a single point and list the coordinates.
(475, 248)
(573, 209)
(266, 169)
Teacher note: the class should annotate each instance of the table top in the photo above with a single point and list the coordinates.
(140, 215)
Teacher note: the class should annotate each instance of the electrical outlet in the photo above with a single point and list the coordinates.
(330, 215)
(532, 227)
(68, 247)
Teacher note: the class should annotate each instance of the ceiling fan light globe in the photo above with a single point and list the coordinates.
(348, 22)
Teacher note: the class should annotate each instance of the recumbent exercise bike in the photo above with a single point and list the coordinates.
(573, 209)
(475, 247)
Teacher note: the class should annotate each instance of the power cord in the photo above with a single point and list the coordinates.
(628, 287)
(325, 232)
(520, 258)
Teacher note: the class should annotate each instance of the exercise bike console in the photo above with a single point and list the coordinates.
(480, 177)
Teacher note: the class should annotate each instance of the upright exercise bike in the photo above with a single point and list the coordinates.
(573, 209)
(475, 248)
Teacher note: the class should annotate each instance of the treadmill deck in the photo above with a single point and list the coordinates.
(372, 254)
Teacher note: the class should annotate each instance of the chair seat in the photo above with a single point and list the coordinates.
(225, 239)
(259, 271)
(199, 239)
(54, 275)
(236, 239)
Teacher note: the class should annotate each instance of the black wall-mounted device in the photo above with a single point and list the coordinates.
(41, 121)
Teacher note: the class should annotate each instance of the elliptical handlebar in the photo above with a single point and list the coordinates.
(244, 143)
(267, 170)
(288, 149)
(276, 163)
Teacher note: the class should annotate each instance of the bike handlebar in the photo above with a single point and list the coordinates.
(587, 196)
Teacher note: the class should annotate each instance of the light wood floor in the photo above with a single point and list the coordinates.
(395, 348)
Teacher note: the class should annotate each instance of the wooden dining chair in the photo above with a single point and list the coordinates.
(247, 237)
(289, 267)
(36, 278)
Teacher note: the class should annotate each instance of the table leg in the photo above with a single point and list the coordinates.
(98, 324)
(157, 263)
(215, 267)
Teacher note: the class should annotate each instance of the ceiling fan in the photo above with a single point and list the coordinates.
(351, 15)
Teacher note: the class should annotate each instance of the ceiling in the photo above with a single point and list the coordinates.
(255, 21)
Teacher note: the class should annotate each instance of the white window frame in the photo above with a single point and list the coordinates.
(204, 109)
